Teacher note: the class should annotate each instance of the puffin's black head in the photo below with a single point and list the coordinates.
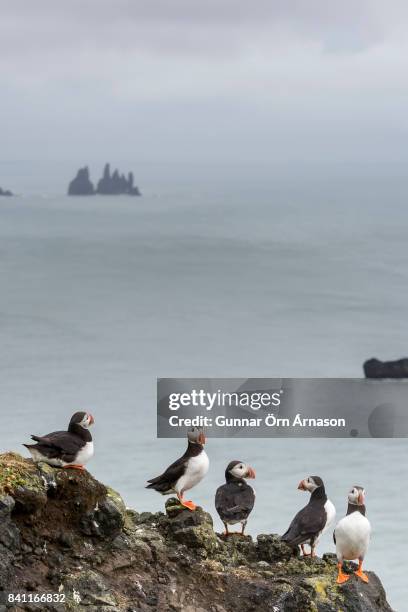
(81, 419)
(196, 435)
(311, 483)
(356, 496)
(238, 469)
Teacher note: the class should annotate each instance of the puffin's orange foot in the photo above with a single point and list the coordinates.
(342, 577)
(188, 504)
(361, 575)
(74, 466)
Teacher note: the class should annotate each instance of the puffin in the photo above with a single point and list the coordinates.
(235, 499)
(68, 449)
(186, 472)
(310, 522)
(352, 535)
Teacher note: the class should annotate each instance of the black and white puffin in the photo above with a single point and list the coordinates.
(235, 499)
(352, 535)
(68, 449)
(186, 472)
(310, 522)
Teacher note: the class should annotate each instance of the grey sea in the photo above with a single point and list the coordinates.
(214, 272)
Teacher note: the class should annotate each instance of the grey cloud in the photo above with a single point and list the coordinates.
(165, 27)
(218, 78)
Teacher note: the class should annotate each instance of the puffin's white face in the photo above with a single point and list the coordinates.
(242, 470)
(308, 484)
(196, 435)
(87, 421)
(356, 496)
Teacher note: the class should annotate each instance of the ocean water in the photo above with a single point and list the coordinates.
(213, 272)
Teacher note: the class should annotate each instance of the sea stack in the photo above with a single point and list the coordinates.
(116, 183)
(110, 184)
(5, 192)
(374, 368)
(81, 185)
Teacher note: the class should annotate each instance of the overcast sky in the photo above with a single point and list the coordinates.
(196, 80)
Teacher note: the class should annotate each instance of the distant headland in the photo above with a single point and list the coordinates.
(110, 184)
(5, 192)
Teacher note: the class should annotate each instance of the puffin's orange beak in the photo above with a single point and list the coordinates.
(360, 499)
(302, 486)
(91, 419)
(250, 473)
(201, 438)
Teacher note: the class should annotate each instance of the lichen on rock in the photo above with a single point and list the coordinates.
(63, 531)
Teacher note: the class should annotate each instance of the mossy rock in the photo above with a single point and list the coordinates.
(63, 527)
(15, 472)
(324, 589)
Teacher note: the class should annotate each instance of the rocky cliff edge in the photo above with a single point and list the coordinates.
(62, 531)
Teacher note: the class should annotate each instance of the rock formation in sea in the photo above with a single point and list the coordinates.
(110, 184)
(116, 183)
(374, 368)
(62, 531)
(5, 192)
(81, 184)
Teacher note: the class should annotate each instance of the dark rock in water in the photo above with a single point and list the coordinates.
(374, 368)
(81, 185)
(5, 192)
(116, 184)
(63, 531)
(109, 184)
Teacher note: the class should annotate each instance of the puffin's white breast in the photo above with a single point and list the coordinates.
(352, 536)
(196, 469)
(330, 513)
(85, 454)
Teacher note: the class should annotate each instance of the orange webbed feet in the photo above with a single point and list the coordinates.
(341, 577)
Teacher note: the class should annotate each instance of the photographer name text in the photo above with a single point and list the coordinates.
(270, 420)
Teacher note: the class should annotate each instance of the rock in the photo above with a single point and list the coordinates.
(194, 529)
(374, 368)
(105, 520)
(62, 530)
(109, 184)
(116, 183)
(5, 192)
(90, 587)
(81, 185)
(9, 539)
(360, 597)
(272, 549)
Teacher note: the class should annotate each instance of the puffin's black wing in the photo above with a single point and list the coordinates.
(234, 501)
(308, 523)
(58, 445)
(168, 479)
